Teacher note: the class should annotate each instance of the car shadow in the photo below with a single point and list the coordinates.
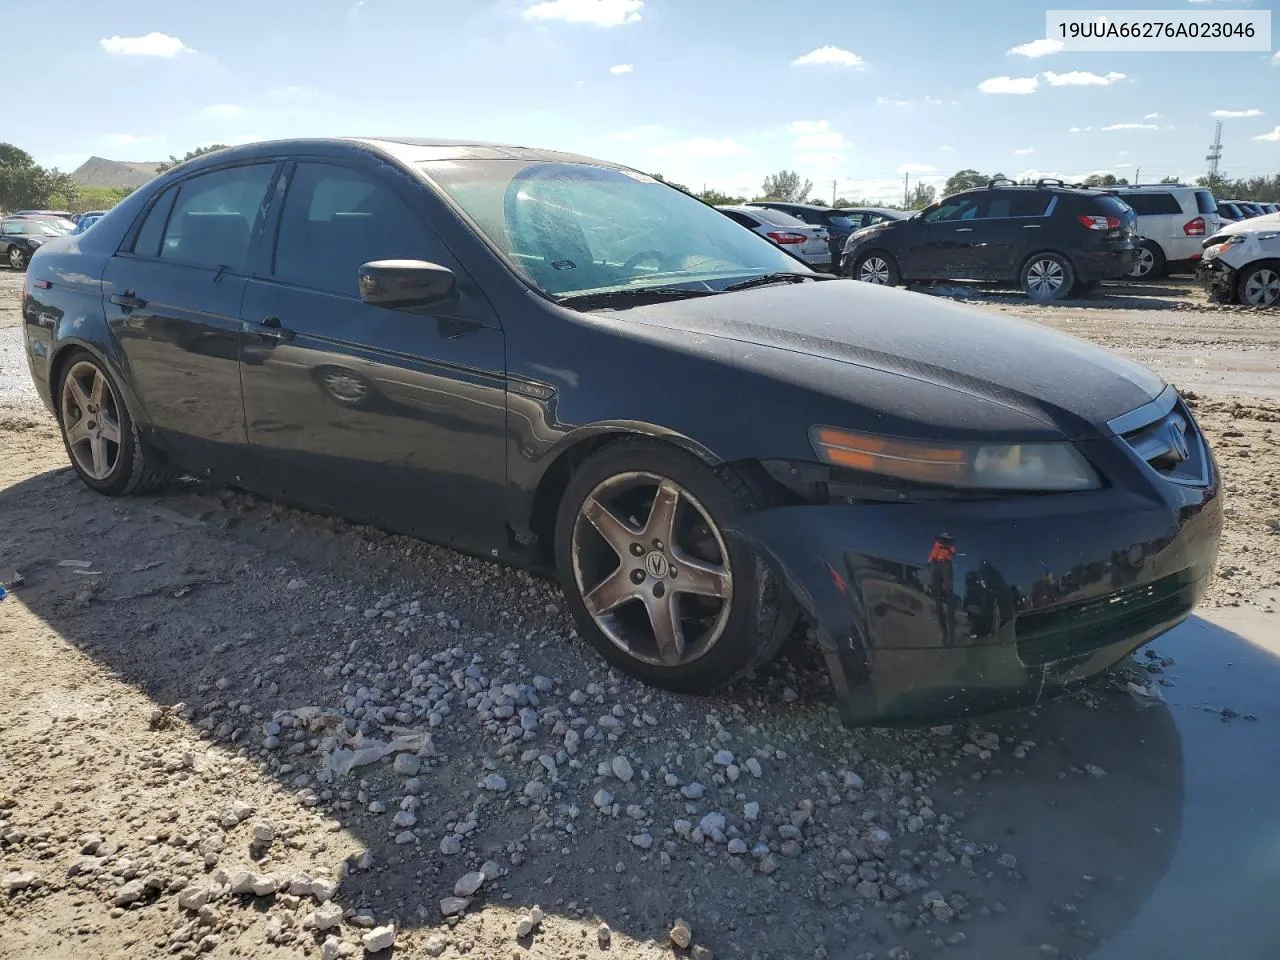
(1062, 821)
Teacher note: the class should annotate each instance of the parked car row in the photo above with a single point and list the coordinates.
(1241, 262)
(21, 233)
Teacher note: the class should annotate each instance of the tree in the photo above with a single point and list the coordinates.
(1168, 179)
(718, 199)
(26, 184)
(964, 180)
(198, 152)
(922, 196)
(671, 183)
(816, 201)
(785, 185)
(1104, 180)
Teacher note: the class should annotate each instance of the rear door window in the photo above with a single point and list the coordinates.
(1153, 203)
(1205, 202)
(1110, 206)
(213, 218)
(956, 208)
(147, 242)
(741, 218)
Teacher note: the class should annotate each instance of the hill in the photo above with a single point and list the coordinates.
(99, 172)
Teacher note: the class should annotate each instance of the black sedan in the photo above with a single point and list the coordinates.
(567, 365)
(20, 237)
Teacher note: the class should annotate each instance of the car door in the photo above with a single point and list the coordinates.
(1011, 227)
(391, 416)
(943, 246)
(172, 298)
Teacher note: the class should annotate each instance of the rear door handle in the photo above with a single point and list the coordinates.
(1031, 226)
(269, 328)
(128, 301)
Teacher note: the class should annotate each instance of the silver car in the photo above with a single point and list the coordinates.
(809, 243)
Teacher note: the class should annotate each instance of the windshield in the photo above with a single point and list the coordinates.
(34, 228)
(574, 228)
(839, 221)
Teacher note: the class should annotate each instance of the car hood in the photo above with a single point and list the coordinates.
(922, 342)
(1268, 223)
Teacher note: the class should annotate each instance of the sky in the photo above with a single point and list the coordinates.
(714, 93)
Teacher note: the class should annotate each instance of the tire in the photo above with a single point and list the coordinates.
(91, 413)
(877, 267)
(1151, 263)
(1047, 277)
(723, 636)
(17, 258)
(1258, 284)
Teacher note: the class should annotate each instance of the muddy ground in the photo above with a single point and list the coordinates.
(181, 675)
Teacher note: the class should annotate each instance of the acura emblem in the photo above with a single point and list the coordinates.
(1179, 449)
(656, 564)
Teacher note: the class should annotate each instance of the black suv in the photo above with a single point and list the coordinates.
(837, 223)
(1053, 239)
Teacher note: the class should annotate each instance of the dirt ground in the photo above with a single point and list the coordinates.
(189, 678)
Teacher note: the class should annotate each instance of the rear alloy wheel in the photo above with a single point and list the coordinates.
(1047, 276)
(877, 268)
(1149, 263)
(100, 436)
(650, 576)
(17, 258)
(1259, 285)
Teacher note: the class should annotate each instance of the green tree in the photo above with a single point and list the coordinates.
(1168, 179)
(191, 155)
(1104, 180)
(921, 196)
(718, 199)
(785, 185)
(671, 183)
(26, 184)
(98, 198)
(964, 180)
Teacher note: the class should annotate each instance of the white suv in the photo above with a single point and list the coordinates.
(1173, 220)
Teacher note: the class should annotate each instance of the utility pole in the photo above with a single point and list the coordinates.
(906, 190)
(1215, 154)
(1137, 175)
(833, 191)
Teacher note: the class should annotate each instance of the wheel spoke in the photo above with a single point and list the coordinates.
(77, 392)
(699, 577)
(79, 431)
(616, 533)
(96, 391)
(110, 428)
(662, 515)
(615, 590)
(664, 616)
(98, 450)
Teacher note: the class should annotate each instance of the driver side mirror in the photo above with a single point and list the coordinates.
(405, 283)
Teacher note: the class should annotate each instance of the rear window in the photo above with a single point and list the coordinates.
(1153, 204)
(1205, 202)
(778, 217)
(1111, 206)
(840, 222)
(1017, 203)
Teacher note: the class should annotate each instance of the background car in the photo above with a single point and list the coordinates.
(87, 220)
(1173, 220)
(1051, 239)
(20, 237)
(837, 225)
(1228, 212)
(51, 214)
(1241, 262)
(811, 244)
(860, 217)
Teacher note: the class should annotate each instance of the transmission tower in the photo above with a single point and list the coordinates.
(1215, 152)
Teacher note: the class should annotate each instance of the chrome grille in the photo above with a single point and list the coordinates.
(1164, 435)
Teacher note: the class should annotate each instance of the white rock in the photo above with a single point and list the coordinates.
(451, 906)
(681, 935)
(524, 927)
(622, 769)
(491, 869)
(753, 767)
(693, 791)
(450, 846)
(495, 782)
(603, 798)
(643, 840)
(723, 758)
(711, 823)
(236, 814)
(751, 811)
(379, 938)
(406, 764)
(604, 935)
(193, 898)
(535, 915)
(404, 819)
(265, 885)
(468, 884)
(326, 916)
(131, 892)
(242, 882)
(852, 781)
(324, 889)
(737, 846)
(264, 832)
(435, 945)
(331, 949)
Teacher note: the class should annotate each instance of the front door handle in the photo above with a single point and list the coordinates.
(128, 301)
(270, 329)
(1031, 226)
(964, 229)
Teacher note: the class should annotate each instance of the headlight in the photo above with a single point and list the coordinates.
(1220, 248)
(35, 241)
(975, 466)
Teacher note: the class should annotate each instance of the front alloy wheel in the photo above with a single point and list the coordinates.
(1047, 277)
(17, 259)
(874, 269)
(659, 588)
(91, 420)
(1260, 286)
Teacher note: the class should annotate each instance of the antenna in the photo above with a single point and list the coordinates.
(1215, 153)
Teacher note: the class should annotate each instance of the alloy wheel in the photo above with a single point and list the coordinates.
(1262, 288)
(91, 420)
(874, 270)
(1045, 278)
(16, 259)
(652, 568)
(345, 387)
(1145, 262)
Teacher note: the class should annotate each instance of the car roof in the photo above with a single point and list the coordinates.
(870, 210)
(789, 205)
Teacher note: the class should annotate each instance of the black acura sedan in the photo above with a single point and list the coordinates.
(567, 365)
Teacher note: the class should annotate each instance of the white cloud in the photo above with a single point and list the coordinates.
(1273, 136)
(1235, 114)
(816, 136)
(151, 45)
(830, 56)
(1131, 126)
(1151, 116)
(917, 168)
(1082, 78)
(1023, 151)
(924, 101)
(599, 13)
(1037, 48)
(1081, 129)
(223, 111)
(621, 69)
(1124, 153)
(294, 93)
(946, 148)
(126, 139)
(1009, 85)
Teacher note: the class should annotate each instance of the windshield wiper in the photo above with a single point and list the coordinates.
(776, 278)
(631, 297)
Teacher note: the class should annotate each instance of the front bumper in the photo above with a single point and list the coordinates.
(1043, 593)
(1217, 278)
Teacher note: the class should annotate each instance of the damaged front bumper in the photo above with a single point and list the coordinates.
(1217, 277)
(1041, 593)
